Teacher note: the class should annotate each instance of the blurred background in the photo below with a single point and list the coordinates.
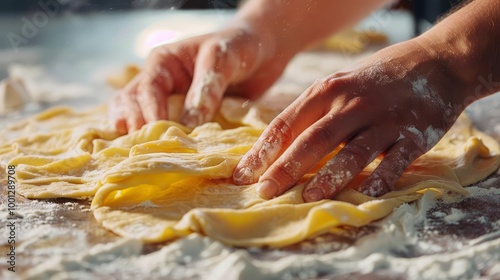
(424, 12)
(66, 49)
(102, 5)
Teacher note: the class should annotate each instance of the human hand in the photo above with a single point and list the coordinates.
(240, 60)
(397, 103)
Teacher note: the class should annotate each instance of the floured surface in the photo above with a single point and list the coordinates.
(57, 225)
(422, 240)
(164, 181)
(59, 238)
(414, 242)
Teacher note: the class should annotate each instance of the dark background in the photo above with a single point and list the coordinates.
(81, 6)
(428, 10)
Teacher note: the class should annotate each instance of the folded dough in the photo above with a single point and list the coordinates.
(166, 181)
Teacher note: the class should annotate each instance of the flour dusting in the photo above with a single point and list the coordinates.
(455, 216)
(400, 247)
(421, 88)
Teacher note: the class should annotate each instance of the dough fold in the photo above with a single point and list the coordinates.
(166, 181)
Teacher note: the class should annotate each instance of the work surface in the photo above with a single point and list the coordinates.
(451, 238)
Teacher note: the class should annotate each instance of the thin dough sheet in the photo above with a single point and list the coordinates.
(166, 181)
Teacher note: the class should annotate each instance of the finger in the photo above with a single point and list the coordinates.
(124, 111)
(214, 69)
(116, 114)
(281, 132)
(308, 149)
(384, 177)
(132, 110)
(347, 164)
(135, 120)
(163, 75)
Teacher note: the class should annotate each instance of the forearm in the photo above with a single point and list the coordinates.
(294, 25)
(467, 45)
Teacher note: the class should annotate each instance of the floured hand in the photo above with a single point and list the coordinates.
(397, 104)
(240, 60)
(394, 104)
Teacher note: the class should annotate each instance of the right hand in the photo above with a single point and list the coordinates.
(238, 60)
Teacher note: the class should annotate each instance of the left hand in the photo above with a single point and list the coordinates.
(397, 103)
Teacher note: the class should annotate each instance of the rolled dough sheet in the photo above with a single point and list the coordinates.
(166, 181)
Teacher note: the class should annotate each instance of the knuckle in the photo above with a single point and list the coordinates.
(281, 130)
(411, 151)
(378, 185)
(387, 180)
(319, 86)
(153, 71)
(152, 88)
(218, 47)
(334, 82)
(332, 181)
(386, 177)
(157, 53)
(408, 150)
(322, 136)
(330, 87)
(358, 154)
(285, 174)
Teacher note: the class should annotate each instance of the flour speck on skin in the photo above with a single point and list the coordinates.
(428, 138)
(223, 46)
(433, 135)
(211, 83)
(418, 134)
(271, 146)
(340, 177)
(401, 137)
(245, 104)
(293, 167)
(421, 88)
(374, 188)
(204, 98)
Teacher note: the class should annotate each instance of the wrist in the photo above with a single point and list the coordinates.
(465, 45)
(272, 43)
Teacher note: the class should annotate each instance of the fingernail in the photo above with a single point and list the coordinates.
(192, 118)
(313, 194)
(267, 189)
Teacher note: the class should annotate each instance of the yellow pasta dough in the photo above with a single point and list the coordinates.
(166, 181)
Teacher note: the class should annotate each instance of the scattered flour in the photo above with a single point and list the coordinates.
(399, 248)
(198, 257)
(455, 216)
(43, 87)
